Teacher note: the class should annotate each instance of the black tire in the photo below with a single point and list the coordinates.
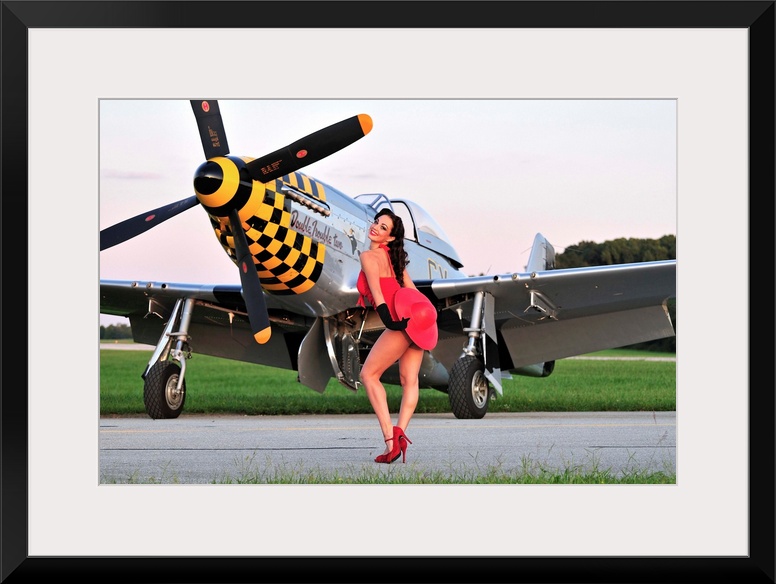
(469, 390)
(160, 393)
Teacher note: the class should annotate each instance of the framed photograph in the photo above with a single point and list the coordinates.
(715, 58)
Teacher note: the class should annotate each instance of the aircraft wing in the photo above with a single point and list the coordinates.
(219, 323)
(534, 317)
(546, 315)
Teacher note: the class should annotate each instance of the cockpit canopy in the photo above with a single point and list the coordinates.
(419, 226)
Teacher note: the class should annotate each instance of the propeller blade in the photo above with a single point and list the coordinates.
(310, 149)
(211, 127)
(251, 286)
(129, 228)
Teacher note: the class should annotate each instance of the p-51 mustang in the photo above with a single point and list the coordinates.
(296, 242)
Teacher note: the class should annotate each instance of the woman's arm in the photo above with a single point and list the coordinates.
(371, 269)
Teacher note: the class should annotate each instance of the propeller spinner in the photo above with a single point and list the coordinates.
(215, 173)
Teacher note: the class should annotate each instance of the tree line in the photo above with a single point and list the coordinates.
(114, 332)
(617, 251)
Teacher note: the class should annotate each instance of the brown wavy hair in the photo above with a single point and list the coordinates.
(399, 257)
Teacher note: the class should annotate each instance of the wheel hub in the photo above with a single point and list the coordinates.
(479, 389)
(172, 394)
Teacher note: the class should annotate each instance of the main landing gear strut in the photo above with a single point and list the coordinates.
(469, 390)
(164, 392)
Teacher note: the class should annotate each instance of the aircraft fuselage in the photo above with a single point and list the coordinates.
(305, 237)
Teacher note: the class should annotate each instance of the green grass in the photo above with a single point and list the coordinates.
(219, 386)
(529, 475)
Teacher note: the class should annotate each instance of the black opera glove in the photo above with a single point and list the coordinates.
(385, 316)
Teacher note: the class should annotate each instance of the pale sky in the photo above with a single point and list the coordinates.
(492, 173)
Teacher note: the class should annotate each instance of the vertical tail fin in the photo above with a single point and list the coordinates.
(542, 255)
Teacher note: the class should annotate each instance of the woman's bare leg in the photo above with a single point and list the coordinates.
(409, 367)
(385, 352)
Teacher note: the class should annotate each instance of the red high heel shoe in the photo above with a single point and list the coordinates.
(395, 452)
(400, 442)
(400, 437)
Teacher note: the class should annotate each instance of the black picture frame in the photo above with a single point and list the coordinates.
(19, 16)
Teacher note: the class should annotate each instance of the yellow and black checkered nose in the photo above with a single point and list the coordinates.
(287, 262)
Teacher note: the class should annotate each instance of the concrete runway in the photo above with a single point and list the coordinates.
(232, 449)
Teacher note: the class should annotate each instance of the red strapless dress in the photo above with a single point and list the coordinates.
(389, 287)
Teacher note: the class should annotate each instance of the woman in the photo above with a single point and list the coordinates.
(383, 274)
